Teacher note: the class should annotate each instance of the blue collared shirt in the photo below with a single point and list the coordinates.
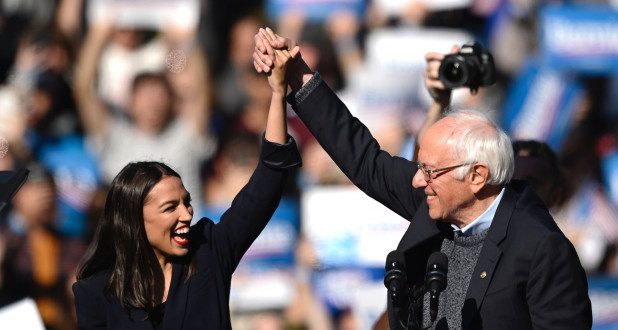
(484, 220)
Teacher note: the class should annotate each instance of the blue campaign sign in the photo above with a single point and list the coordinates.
(609, 169)
(604, 298)
(76, 174)
(315, 10)
(264, 278)
(541, 105)
(582, 38)
(276, 244)
(335, 285)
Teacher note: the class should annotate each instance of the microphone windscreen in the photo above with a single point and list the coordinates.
(437, 260)
(395, 260)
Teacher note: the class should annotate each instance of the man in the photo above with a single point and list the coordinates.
(510, 267)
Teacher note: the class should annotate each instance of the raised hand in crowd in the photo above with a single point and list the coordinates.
(440, 95)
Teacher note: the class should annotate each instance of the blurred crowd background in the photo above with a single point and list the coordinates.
(88, 85)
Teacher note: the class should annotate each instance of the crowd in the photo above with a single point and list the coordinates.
(83, 92)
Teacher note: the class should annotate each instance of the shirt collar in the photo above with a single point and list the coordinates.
(481, 223)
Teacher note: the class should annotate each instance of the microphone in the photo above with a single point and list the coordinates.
(395, 281)
(435, 280)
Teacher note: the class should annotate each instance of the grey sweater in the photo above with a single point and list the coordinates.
(462, 252)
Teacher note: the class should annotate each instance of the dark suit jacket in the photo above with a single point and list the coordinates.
(201, 301)
(532, 275)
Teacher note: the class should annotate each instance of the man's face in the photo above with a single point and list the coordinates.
(448, 199)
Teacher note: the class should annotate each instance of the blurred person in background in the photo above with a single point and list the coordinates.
(39, 75)
(13, 121)
(38, 261)
(331, 43)
(607, 149)
(229, 170)
(51, 131)
(251, 118)
(232, 88)
(538, 164)
(161, 122)
(588, 212)
(125, 53)
(320, 52)
(16, 18)
(306, 310)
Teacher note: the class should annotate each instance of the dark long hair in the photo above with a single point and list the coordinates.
(120, 241)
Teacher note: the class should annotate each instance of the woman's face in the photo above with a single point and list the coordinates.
(167, 217)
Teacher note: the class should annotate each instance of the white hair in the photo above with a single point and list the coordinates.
(476, 138)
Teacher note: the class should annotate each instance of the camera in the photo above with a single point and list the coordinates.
(473, 66)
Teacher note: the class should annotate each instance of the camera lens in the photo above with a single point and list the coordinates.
(453, 72)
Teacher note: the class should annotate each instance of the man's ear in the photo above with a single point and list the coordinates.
(478, 177)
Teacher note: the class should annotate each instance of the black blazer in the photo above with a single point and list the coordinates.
(532, 275)
(201, 301)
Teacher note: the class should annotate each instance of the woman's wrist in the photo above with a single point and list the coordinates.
(280, 93)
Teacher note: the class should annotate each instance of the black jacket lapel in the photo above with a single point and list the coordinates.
(488, 258)
(140, 318)
(176, 299)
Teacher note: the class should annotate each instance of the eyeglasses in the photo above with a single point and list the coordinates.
(427, 174)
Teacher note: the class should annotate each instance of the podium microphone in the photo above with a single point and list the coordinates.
(395, 281)
(435, 280)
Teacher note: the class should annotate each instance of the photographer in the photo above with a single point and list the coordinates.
(440, 80)
(535, 161)
(509, 266)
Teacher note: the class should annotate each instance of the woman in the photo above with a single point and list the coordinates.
(147, 268)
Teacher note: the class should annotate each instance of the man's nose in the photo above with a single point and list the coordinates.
(418, 180)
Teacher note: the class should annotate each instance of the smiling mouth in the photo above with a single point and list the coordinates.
(181, 236)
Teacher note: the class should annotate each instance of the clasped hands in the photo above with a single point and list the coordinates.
(271, 56)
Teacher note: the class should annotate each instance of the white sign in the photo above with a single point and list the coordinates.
(348, 228)
(146, 13)
(21, 315)
(395, 7)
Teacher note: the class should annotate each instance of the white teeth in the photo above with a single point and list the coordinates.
(183, 230)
